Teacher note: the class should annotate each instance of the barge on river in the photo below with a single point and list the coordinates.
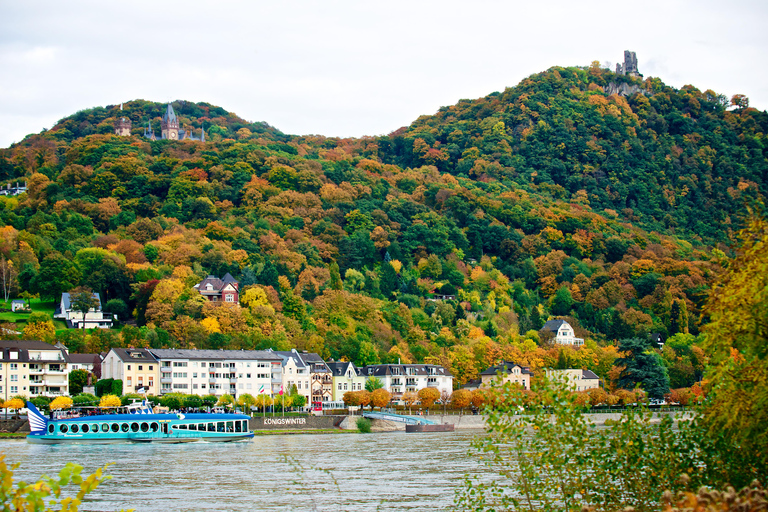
(137, 423)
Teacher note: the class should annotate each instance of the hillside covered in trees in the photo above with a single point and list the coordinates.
(548, 199)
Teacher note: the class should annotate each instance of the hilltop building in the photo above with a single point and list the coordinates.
(170, 130)
(123, 126)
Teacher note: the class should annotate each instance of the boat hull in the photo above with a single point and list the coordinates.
(142, 428)
(43, 439)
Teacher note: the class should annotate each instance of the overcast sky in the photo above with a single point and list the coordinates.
(351, 68)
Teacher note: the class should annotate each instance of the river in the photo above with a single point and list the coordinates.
(378, 471)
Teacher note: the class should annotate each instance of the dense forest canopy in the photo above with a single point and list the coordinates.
(548, 199)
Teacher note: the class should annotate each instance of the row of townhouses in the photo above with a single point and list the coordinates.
(235, 372)
(35, 368)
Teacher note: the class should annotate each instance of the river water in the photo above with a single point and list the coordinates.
(378, 471)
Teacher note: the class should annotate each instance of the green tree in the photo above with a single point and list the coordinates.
(77, 379)
(642, 367)
(57, 274)
(335, 283)
(83, 300)
(373, 383)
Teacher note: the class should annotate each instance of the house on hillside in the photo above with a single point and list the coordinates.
(505, 372)
(578, 380)
(17, 304)
(94, 318)
(563, 332)
(214, 289)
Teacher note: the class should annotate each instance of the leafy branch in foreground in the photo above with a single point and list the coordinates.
(551, 457)
(45, 494)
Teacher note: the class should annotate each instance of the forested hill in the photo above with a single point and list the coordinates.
(550, 199)
(669, 160)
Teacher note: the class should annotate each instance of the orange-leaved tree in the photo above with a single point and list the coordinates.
(428, 397)
(380, 398)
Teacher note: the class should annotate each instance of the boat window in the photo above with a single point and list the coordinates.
(153, 427)
(124, 427)
(94, 428)
(220, 426)
(181, 426)
(134, 427)
(50, 429)
(86, 428)
(115, 427)
(230, 427)
(211, 427)
(193, 426)
(238, 426)
(144, 427)
(64, 428)
(75, 428)
(105, 427)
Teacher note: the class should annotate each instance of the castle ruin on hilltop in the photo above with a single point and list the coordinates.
(630, 65)
(629, 68)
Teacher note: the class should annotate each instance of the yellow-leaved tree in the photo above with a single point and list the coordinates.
(110, 401)
(737, 341)
(60, 402)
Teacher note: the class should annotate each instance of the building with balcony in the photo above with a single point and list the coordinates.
(136, 367)
(295, 372)
(321, 376)
(401, 378)
(219, 372)
(346, 377)
(32, 368)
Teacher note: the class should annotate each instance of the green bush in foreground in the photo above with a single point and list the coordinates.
(45, 494)
(553, 458)
(364, 425)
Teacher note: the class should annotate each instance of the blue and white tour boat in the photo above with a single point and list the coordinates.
(136, 423)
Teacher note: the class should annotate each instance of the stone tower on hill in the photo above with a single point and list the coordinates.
(630, 65)
(123, 125)
(169, 126)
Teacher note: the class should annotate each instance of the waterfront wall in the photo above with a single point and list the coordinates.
(295, 422)
(477, 422)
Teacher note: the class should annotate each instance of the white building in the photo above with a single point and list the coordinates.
(94, 318)
(218, 372)
(295, 373)
(563, 332)
(400, 378)
(32, 368)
